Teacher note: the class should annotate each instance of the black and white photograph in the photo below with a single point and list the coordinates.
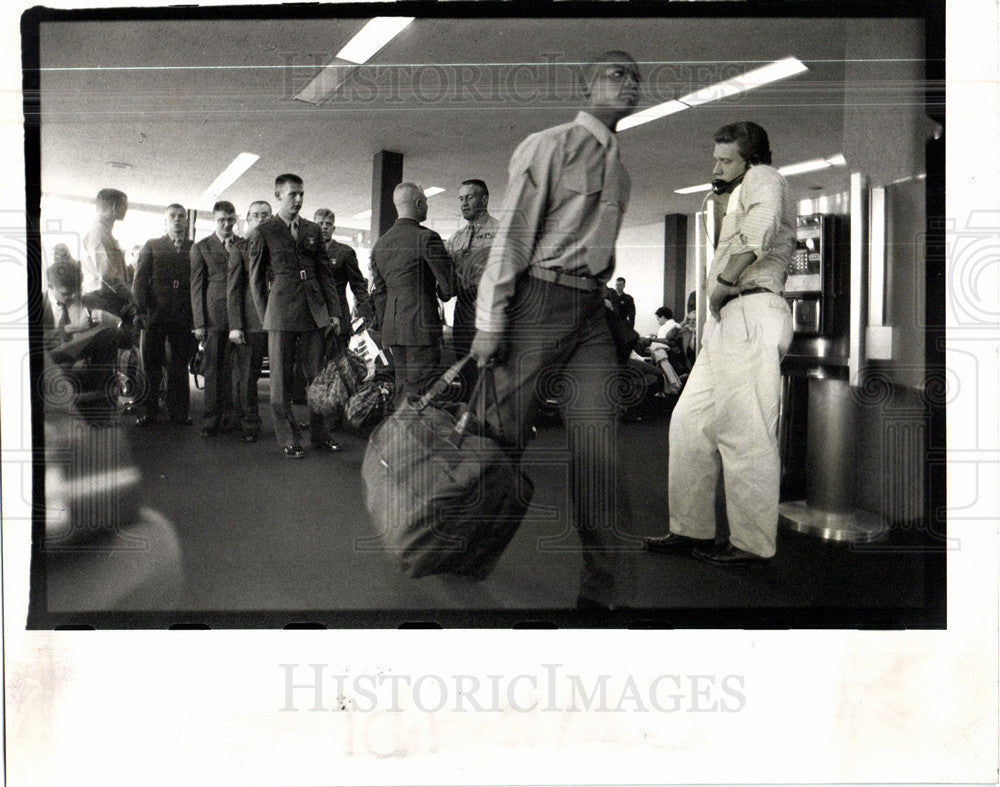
(364, 342)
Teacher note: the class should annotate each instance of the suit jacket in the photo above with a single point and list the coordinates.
(346, 271)
(209, 262)
(302, 295)
(240, 306)
(407, 262)
(162, 285)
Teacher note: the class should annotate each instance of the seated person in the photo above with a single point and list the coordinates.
(659, 349)
(84, 347)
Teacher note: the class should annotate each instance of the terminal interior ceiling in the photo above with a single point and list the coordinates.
(159, 108)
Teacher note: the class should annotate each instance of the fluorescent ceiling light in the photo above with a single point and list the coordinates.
(365, 214)
(372, 37)
(772, 72)
(331, 77)
(229, 175)
(693, 189)
(650, 114)
(432, 191)
(805, 166)
(812, 165)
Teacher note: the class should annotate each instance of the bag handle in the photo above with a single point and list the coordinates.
(443, 383)
(484, 381)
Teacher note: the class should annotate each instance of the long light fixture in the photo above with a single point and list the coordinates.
(758, 77)
(431, 191)
(372, 37)
(812, 165)
(772, 72)
(360, 49)
(651, 113)
(229, 176)
(365, 214)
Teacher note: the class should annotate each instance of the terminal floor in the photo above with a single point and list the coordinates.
(269, 541)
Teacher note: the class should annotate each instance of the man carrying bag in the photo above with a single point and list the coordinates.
(445, 498)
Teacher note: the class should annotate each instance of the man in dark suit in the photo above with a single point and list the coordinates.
(625, 305)
(162, 290)
(209, 262)
(346, 272)
(246, 333)
(297, 310)
(409, 263)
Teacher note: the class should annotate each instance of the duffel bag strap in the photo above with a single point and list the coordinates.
(443, 383)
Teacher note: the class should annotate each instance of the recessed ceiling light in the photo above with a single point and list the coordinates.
(650, 113)
(229, 175)
(812, 165)
(372, 37)
(772, 72)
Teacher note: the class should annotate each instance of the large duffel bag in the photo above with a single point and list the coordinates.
(444, 497)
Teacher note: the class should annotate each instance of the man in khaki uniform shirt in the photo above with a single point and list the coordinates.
(540, 309)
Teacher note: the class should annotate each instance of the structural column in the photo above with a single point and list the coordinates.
(675, 263)
(387, 173)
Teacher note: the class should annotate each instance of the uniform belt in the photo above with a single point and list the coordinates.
(299, 274)
(584, 283)
(751, 291)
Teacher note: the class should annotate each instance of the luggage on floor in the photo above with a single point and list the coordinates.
(370, 404)
(444, 497)
(329, 391)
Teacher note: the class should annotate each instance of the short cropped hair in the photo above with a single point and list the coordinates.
(258, 202)
(621, 279)
(665, 312)
(111, 197)
(287, 177)
(173, 205)
(224, 206)
(64, 272)
(480, 184)
(751, 141)
(323, 213)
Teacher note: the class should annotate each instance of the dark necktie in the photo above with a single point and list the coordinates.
(63, 316)
(178, 243)
(295, 229)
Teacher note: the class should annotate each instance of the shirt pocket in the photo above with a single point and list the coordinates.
(583, 180)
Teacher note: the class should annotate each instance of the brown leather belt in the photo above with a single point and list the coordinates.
(584, 283)
(751, 291)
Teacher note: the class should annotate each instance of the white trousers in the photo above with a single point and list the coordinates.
(728, 416)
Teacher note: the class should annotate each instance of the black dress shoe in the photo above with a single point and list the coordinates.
(249, 437)
(208, 431)
(144, 420)
(181, 420)
(673, 544)
(326, 445)
(728, 555)
(293, 451)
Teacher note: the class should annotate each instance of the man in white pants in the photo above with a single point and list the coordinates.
(728, 412)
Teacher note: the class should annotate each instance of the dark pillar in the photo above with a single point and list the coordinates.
(387, 173)
(675, 263)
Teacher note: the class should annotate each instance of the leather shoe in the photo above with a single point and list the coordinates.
(182, 420)
(144, 420)
(674, 544)
(728, 555)
(327, 445)
(249, 437)
(208, 431)
(293, 451)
